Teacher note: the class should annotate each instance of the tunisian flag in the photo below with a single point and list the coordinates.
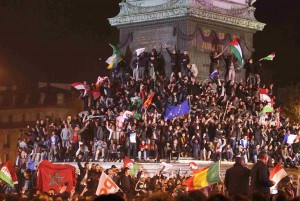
(54, 176)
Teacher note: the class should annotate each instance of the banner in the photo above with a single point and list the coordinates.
(55, 176)
(106, 185)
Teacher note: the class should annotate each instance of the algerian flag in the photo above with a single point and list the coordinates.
(134, 169)
(6, 174)
(269, 57)
(137, 116)
(136, 101)
(236, 49)
(139, 51)
(266, 109)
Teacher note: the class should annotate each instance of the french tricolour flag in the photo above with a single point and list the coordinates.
(214, 74)
(78, 86)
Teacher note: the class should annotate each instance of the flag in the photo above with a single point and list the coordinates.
(8, 174)
(137, 116)
(264, 97)
(128, 162)
(31, 165)
(176, 111)
(148, 102)
(236, 49)
(263, 91)
(78, 86)
(118, 55)
(269, 57)
(193, 165)
(139, 51)
(136, 101)
(116, 50)
(214, 74)
(131, 165)
(95, 93)
(111, 61)
(266, 109)
(54, 176)
(134, 169)
(106, 185)
(204, 178)
(291, 138)
(277, 174)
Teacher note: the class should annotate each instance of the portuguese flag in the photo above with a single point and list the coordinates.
(236, 49)
(205, 177)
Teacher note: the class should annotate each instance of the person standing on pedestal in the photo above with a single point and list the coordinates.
(184, 61)
(174, 61)
(142, 65)
(230, 60)
(135, 72)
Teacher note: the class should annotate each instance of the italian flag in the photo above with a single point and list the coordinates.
(269, 57)
(8, 174)
(205, 177)
(277, 174)
(235, 48)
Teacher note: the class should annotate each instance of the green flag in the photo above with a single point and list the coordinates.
(134, 169)
(137, 115)
(266, 109)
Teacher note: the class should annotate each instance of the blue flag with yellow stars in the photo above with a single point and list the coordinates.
(176, 111)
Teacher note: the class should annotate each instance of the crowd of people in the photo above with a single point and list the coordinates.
(226, 119)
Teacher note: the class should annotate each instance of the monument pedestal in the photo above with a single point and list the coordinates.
(200, 26)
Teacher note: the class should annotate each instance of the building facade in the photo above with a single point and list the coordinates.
(21, 106)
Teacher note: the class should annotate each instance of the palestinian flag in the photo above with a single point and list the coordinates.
(148, 102)
(236, 49)
(78, 85)
(8, 174)
(205, 177)
(277, 174)
(269, 57)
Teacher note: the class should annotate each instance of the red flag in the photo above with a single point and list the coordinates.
(128, 162)
(263, 91)
(95, 93)
(54, 176)
(148, 102)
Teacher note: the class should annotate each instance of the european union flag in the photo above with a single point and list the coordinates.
(176, 111)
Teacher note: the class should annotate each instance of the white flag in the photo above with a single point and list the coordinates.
(110, 59)
(106, 185)
(140, 51)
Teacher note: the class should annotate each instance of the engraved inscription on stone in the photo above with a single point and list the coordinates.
(155, 37)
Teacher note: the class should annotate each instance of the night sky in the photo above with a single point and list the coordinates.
(62, 40)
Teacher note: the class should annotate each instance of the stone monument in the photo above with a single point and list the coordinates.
(200, 26)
